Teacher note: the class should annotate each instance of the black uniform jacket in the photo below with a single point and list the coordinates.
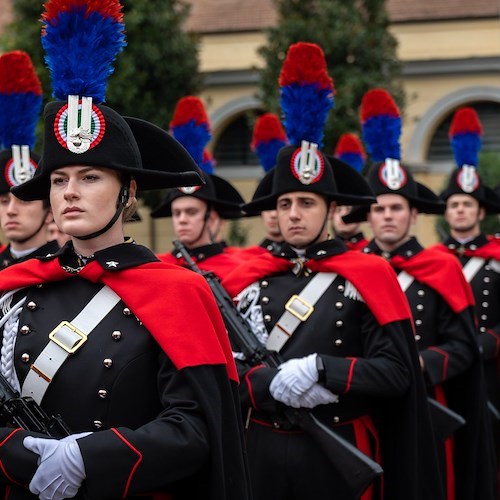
(364, 336)
(7, 259)
(155, 383)
(442, 306)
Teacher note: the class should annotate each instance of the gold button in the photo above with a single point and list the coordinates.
(108, 363)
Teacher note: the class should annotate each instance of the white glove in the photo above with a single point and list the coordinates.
(294, 378)
(316, 395)
(60, 471)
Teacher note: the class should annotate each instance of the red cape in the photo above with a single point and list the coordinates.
(441, 272)
(387, 302)
(489, 251)
(157, 293)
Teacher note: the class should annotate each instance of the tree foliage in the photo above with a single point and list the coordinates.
(359, 49)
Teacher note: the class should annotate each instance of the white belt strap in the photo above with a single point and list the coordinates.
(472, 267)
(66, 339)
(298, 309)
(405, 280)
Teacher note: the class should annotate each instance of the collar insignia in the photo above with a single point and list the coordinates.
(112, 263)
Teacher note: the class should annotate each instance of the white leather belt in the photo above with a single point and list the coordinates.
(472, 267)
(66, 339)
(298, 309)
(405, 280)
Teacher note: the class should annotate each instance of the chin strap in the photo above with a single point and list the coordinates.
(123, 197)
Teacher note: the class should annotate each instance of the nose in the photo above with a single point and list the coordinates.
(71, 191)
(294, 212)
(12, 206)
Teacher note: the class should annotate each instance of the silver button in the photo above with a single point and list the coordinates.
(452, 246)
(486, 292)
(485, 304)
(276, 425)
(409, 253)
(116, 335)
(418, 322)
(417, 337)
(127, 311)
(25, 357)
(25, 329)
(97, 424)
(265, 300)
(473, 247)
(264, 284)
(108, 363)
(269, 248)
(201, 256)
(339, 305)
(338, 342)
(102, 393)
(482, 329)
(39, 285)
(267, 318)
(340, 288)
(32, 305)
(320, 252)
(339, 323)
(486, 279)
(421, 293)
(484, 317)
(487, 267)
(336, 420)
(420, 307)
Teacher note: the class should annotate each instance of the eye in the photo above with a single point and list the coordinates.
(90, 177)
(57, 181)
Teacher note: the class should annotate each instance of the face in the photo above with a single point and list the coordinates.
(55, 234)
(340, 228)
(302, 218)
(21, 221)
(188, 219)
(270, 222)
(83, 199)
(463, 213)
(390, 220)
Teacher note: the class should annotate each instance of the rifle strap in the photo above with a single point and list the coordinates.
(65, 340)
(298, 308)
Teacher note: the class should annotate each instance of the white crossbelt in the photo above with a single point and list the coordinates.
(405, 280)
(298, 309)
(472, 267)
(66, 339)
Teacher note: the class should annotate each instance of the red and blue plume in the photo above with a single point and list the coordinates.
(190, 126)
(81, 39)
(350, 150)
(381, 125)
(208, 163)
(306, 93)
(465, 136)
(20, 99)
(268, 138)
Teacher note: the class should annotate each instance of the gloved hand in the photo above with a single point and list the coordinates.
(316, 395)
(294, 378)
(60, 471)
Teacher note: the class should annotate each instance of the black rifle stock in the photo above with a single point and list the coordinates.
(24, 412)
(444, 420)
(357, 469)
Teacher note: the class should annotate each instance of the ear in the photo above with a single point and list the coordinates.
(331, 209)
(132, 192)
(413, 216)
(49, 217)
(482, 214)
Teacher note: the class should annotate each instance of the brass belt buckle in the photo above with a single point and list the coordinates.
(62, 342)
(299, 314)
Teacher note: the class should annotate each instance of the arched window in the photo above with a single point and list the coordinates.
(489, 115)
(233, 145)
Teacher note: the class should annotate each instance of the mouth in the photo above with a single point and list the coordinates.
(72, 210)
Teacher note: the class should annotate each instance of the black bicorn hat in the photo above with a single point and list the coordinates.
(21, 102)
(465, 136)
(217, 193)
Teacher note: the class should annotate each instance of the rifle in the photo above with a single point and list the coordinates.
(444, 420)
(356, 469)
(25, 412)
